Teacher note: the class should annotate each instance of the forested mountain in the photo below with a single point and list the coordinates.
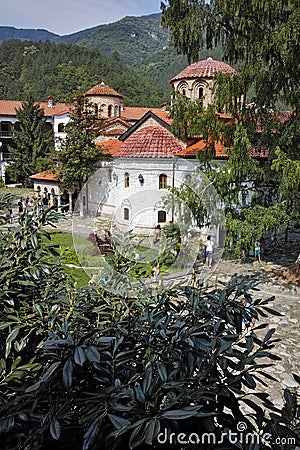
(138, 43)
(142, 43)
(9, 33)
(61, 70)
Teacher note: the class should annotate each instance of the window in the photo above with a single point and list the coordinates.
(109, 113)
(126, 181)
(5, 129)
(201, 92)
(61, 127)
(184, 92)
(161, 216)
(126, 214)
(110, 175)
(163, 181)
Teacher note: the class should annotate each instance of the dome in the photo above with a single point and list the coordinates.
(103, 89)
(204, 69)
(150, 142)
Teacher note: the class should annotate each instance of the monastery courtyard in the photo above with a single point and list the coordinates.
(287, 302)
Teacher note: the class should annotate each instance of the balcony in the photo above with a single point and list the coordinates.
(5, 134)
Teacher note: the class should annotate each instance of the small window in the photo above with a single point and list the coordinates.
(126, 214)
(162, 216)
(126, 181)
(109, 110)
(61, 127)
(184, 92)
(201, 92)
(163, 179)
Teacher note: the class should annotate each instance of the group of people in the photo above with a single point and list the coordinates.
(25, 205)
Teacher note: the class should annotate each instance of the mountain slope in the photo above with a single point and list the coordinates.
(8, 33)
(62, 70)
(139, 43)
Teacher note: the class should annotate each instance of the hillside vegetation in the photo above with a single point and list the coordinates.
(132, 55)
(60, 70)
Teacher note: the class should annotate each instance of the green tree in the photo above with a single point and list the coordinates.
(263, 40)
(262, 37)
(32, 145)
(78, 157)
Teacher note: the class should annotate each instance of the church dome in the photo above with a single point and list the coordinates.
(203, 69)
(103, 90)
(150, 142)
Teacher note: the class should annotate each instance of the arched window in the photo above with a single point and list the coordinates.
(126, 214)
(109, 111)
(163, 179)
(61, 127)
(184, 92)
(101, 109)
(116, 113)
(201, 92)
(161, 216)
(126, 180)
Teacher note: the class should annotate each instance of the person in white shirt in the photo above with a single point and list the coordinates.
(209, 249)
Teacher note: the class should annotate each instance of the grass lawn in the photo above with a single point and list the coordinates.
(68, 255)
(19, 192)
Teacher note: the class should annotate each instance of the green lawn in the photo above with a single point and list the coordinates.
(18, 192)
(68, 255)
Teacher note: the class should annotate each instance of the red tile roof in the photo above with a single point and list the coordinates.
(103, 89)
(200, 146)
(113, 131)
(109, 147)
(9, 107)
(204, 69)
(150, 142)
(47, 176)
(136, 113)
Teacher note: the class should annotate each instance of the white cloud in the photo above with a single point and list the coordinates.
(69, 16)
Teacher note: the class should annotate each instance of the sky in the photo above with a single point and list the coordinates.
(69, 16)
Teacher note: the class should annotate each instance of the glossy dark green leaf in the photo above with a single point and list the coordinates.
(92, 353)
(79, 356)
(180, 414)
(119, 422)
(162, 371)
(68, 374)
(55, 429)
(138, 435)
(152, 430)
(139, 393)
(147, 380)
(91, 435)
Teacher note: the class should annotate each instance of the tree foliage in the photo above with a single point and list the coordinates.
(78, 156)
(262, 37)
(82, 368)
(32, 144)
(64, 70)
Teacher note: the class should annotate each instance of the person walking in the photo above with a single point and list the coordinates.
(209, 247)
(157, 234)
(257, 251)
